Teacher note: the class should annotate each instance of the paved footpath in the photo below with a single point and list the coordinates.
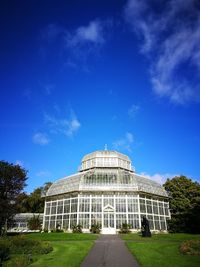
(109, 251)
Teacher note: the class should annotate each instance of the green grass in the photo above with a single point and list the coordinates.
(69, 250)
(161, 250)
(65, 254)
(161, 237)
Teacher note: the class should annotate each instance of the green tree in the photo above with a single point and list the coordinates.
(22, 203)
(33, 202)
(12, 182)
(184, 204)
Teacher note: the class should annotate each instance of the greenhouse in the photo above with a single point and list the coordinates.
(106, 191)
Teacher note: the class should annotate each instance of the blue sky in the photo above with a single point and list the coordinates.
(76, 75)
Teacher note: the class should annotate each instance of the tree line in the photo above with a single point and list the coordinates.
(184, 199)
(33, 202)
(184, 204)
(13, 198)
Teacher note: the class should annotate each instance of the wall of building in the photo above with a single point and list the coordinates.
(108, 209)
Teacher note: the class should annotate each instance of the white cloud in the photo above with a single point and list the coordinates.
(159, 178)
(125, 142)
(67, 126)
(76, 45)
(93, 33)
(170, 38)
(40, 139)
(133, 110)
(85, 42)
(73, 126)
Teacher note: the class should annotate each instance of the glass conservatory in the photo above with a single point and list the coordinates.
(105, 191)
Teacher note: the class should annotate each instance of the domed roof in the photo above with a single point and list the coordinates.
(93, 180)
(106, 170)
(105, 153)
(106, 159)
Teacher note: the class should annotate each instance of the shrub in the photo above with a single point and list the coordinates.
(22, 245)
(95, 228)
(57, 231)
(44, 248)
(4, 250)
(190, 247)
(77, 228)
(125, 229)
(19, 261)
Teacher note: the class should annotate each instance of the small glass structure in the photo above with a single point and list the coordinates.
(20, 221)
(108, 192)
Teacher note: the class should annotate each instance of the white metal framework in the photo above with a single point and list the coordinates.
(20, 221)
(106, 191)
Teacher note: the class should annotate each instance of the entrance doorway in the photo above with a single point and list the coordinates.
(108, 226)
(108, 220)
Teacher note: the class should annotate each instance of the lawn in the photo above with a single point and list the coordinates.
(161, 250)
(69, 250)
(65, 254)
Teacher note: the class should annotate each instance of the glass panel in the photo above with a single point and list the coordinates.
(120, 218)
(52, 222)
(74, 202)
(111, 219)
(162, 223)
(84, 204)
(108, 219)
(142, 205)
(65, 222)
(100, 178)
(149, 206)
(96, 204)
(106, 223)
(48, 206)
(166, 209)
(60, 207)
(73, 220)
(108, 201)
(161, 210)
(67, 206)
(132, 205)
(155, 207)
(59, 222)
(84, 220)
(156, 222)
(120, 205)
(53, 207)
(96, 218)
(133, 220)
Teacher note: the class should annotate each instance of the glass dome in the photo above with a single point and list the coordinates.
(106, 170)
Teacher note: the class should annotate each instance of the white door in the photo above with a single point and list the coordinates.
(108, 220)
